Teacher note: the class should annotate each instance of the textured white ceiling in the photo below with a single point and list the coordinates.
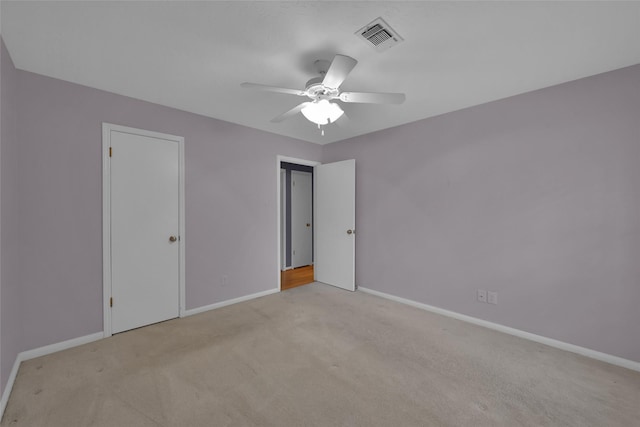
(194, 55)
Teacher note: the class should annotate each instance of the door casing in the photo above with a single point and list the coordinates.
(107, 128)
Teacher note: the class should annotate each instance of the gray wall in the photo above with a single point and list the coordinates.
(535, 196)
(2, 117)
(230, 216)
(10, 317)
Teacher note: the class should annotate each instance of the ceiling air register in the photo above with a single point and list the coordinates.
(379, 35)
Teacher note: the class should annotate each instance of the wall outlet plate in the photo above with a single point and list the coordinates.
(482, 295)
(492, 297)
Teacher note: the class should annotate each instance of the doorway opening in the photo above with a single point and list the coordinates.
(296, 228)
(296, 200)
(332, 225)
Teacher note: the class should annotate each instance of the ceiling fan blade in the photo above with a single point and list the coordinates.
(295, 110)
(373, 98)
(272, 89)
(338, 71)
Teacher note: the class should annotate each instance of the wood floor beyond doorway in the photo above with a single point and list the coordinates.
(296, 277)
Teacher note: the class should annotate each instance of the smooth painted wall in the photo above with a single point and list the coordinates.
(10, 301)
(536, 197)
(231, 195)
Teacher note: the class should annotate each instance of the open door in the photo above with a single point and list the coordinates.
(335, 221)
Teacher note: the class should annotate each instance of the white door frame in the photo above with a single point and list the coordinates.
(106, 217)
(304, 162)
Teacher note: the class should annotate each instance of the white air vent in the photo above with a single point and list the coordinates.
(379, 35)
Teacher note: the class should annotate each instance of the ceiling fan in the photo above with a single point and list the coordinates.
(326, 88)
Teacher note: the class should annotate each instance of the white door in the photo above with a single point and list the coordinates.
(301, 219)
(335, 221)
(145, 187)
(283, 219)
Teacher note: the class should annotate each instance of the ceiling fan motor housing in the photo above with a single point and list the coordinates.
(316, 90)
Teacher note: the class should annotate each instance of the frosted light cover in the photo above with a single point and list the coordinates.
(322, 112)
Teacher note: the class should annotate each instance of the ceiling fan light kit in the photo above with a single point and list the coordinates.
(321, 90)
(322, 112)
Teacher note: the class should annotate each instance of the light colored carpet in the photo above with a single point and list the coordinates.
(320, 356)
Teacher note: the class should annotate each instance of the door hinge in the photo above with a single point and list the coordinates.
(111, 302)
(110, 151)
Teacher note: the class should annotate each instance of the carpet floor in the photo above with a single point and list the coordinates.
(320, 356)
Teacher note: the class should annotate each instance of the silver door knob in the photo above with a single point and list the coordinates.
(173, 239)
(350, 231)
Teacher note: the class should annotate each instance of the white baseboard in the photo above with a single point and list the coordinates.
(59, 346)
(37, 352)
(9, 386)
(604, 357)
(204, 308)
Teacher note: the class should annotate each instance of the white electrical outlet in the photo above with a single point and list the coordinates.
(492, 297)
(482, 295)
